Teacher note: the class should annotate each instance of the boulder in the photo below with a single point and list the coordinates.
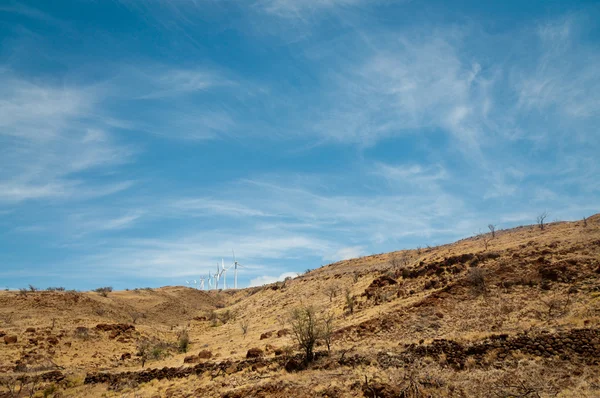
(254, 353)
(10, 339)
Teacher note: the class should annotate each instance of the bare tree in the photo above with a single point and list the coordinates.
(485, 238)
(306, 329)
(328, 325)
(584, 222)
(541, 219)
(331, 291)
(492, 229)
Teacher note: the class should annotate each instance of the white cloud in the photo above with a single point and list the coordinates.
(346, 253)
(49, 135)
(266, 279)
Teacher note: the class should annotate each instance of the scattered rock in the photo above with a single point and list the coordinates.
(266, 335)
(30, 330)
(10, 339)
(52, 340)
(204, 354)
(254, 353)
(283, 332)
(125, 356)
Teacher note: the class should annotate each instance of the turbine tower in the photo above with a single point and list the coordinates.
(235, 268)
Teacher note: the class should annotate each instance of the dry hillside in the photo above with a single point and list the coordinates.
(514, 315)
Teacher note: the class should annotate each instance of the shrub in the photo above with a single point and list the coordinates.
(244, 326)
(350, 301)
(476, 279)
(23, 291)
(306, 330)
(103, 291)
(183, 341)
(33, 288)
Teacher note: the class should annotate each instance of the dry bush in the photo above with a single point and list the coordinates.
(476, 280)
(350, 301)
(306, 329)
(183, 341)
(244, 326)
(103, 291)
(331, 291)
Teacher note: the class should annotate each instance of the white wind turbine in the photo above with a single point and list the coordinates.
(236, 265)
(187, 283)
(195, 284)
(210, 283)
(217, 276)
(224, 273)
(202, 279)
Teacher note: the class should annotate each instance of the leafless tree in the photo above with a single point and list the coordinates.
(584, 222)
(541, 220)
(331, 292)
(492, 229)
(485, 238)
(328, 325)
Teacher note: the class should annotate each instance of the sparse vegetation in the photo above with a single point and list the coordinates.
(103, 291)
(32, 288)
(492, 229)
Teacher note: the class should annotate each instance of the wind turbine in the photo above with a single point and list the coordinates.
(210, 283)
(235, 268)
(187, 283)
(224, 273)
(217, 276)
(202, 279)
(195, 284)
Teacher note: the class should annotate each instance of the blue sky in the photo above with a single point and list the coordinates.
(142, 141)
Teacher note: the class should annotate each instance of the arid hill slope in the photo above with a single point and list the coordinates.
(513, 315)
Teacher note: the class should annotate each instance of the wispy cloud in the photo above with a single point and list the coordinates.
(49, 137)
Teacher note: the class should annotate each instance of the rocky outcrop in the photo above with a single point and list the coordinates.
(582, 344)
(115, 327)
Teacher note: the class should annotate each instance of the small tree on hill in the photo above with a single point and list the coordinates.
(492, 229)
(541, 220)
(306, 329)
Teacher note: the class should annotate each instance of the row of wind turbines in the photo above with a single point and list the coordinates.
(213, 280)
